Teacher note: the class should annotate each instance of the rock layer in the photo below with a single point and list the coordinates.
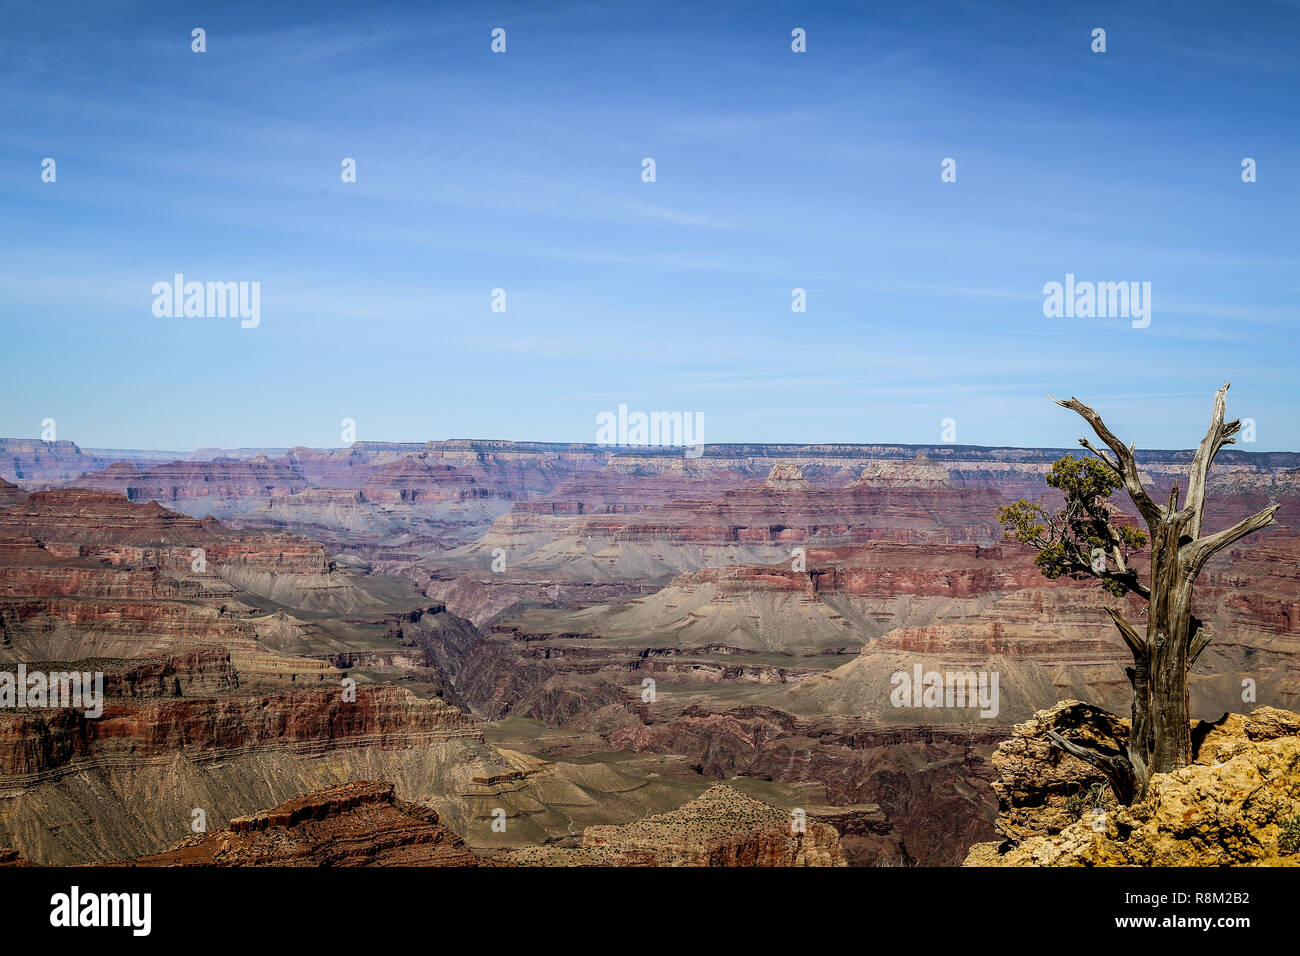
(358, 824)
(721, 827)
(1237, 804)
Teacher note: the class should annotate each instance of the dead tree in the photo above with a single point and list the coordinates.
(1083, 541)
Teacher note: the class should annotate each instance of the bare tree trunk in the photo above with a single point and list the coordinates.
(1140, 733)
(1169, 636)
(1171, 737)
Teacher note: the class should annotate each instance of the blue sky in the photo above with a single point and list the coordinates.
(522, 171)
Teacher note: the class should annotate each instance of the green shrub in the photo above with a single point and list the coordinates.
(1288, 841)
(1094, 798)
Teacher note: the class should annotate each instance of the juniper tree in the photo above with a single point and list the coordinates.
(1087, 538)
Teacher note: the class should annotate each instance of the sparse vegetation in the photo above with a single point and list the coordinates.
(1096, 797)
(1288, 840)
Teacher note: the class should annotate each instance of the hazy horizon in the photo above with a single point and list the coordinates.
(632, 448)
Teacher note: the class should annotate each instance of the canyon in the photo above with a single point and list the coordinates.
(552, 649)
